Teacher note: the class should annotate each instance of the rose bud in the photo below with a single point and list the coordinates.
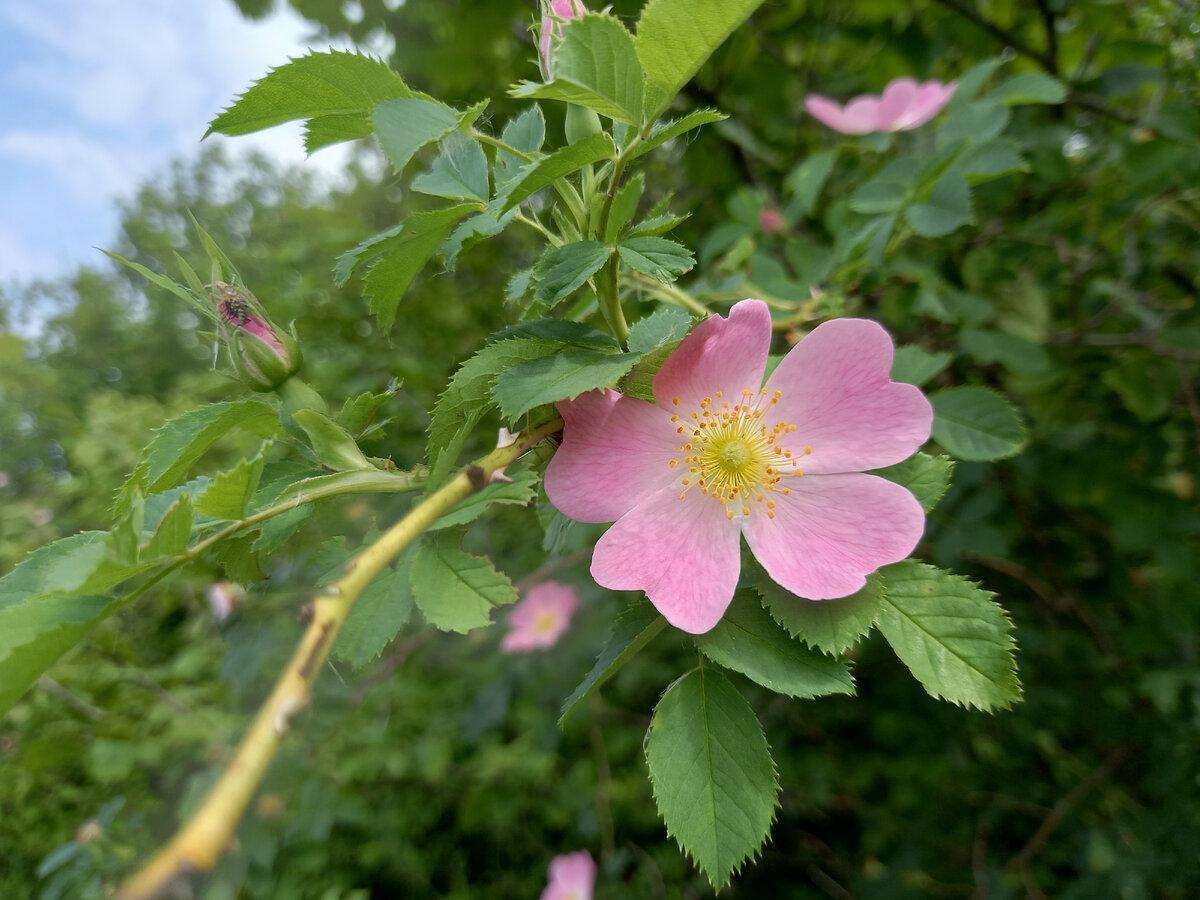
(264, 355)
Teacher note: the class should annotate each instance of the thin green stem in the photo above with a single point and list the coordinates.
(485, 138)
(671, 294)
(553, 239)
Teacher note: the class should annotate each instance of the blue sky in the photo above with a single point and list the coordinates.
(97, 96)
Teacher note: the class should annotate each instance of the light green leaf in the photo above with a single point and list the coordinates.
(320, 84)
(360, 415)
(405, 126)
(975, 423)
(572, 158)
(654, 225)
(624, 206)
(805, 182)
(455, 590)
(228, 492)
(712, 773)
(519, 492)
(927, 477)
(163, 282)
(562, 270)
(65, 566)
(673, 128)
(350, 260)
(890, 189)
(378, 614)
(34, 634)
(749, 641)
(406, 253)
(977, 122)
(660, 258)
(833, 626)
(596, 66)
(948, 209)
(473, 231)
(970, 81)
(1029, 87)
(563, 376)
(330, 443)
(459, 172)
(983, 162)
(676, 37)
(323, 131)
(184, 439)
(631, 631)
(525, 133)
(914, 365)
(952, 636)
(664, 325)
(171, 536)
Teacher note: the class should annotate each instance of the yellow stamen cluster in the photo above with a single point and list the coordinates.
(731, 454)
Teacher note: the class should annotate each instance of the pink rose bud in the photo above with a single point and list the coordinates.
(770, 221)
(553, 14)
(905, 104)
(264, 355)
(572, 876)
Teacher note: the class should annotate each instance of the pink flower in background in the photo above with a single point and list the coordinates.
(572, 877)
(551, 9)
(541, 617)
(771, 221)
(905, 104)
(719, 456)
(224, 598)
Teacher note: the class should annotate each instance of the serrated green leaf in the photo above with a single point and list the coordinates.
(913, 365)
(655, 225)
(459, 172)
(975, 423)
(163, 282)
(832, 626)
(473, 231)
(320, 84)
(572, 158)
(455, 590)
(34, 634)
(330, 443)
(323, 131)
(378, 614)
(712, 773)
(360, 414)
(624, 205)
(663, 326)
(228, 493)
(562, 331)
(1029, 87)
(639, 382)
(519, 492)
(927, 477)
(951, 635)
(673, 128)
(563, 376)
(525, 133)
(630, 632)
(184, 439)
(469, 393)
(675, 37)
(405, 254)
(660, 258)
(596, 66)
(948, 209)
(562, 270)
(350, 260)
(804, 183)
(171, 536)
(64, 566)
(749, 641)
(405, 126)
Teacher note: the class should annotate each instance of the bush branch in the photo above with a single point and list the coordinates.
(197, 847)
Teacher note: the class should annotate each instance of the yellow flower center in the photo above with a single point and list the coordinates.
(731, 454)
(544, 622)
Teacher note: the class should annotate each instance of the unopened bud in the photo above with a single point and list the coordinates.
(554, 12)
(264, 355)
(581, 122)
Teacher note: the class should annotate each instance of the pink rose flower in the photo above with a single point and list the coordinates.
(572, 877)
(904, 104)
(719, 456)
(551, 10)
(541, 618)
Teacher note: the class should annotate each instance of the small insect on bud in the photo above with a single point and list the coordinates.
(264, 355)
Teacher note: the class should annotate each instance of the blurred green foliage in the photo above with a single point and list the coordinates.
(439, 771)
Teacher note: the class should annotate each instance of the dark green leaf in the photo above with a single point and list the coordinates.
(631, 631)
(519, 492)
(624, 206)
(562, 270)
(378, 614)
(661, 259)
(572, 158)
(805, 182)
(563, 376)
(948, 209)
(927, 477)
(833, 626)
(663, 326)
(975, 423)
(914, 365)
(1029, 87)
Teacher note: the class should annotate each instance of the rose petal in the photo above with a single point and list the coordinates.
(572, 877)
(616, 451)
(837, 390)
(832, 531)
(931, 98)
(685, 554)
(897, 97)
(830, 114)
(720, 354)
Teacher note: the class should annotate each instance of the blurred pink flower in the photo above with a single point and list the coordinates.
(224, 598)
(572, 877)
(541, 617)
(552, 9)
(721, 456)
(771, 221)
(905, 104)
